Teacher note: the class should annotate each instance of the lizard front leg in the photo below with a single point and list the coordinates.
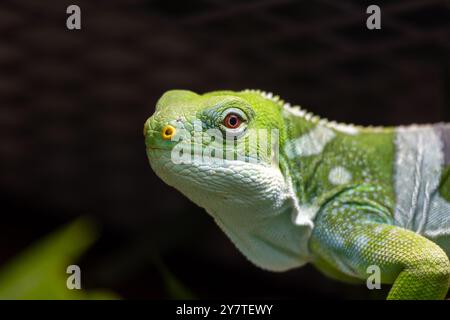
(350, 237)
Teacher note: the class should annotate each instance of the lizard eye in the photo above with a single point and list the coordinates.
(232, 121)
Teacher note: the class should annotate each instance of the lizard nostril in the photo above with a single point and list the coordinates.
(145, 128)
(167, 132)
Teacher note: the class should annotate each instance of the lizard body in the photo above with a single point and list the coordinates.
(341, 197)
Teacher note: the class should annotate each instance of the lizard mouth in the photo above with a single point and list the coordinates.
(157, 148)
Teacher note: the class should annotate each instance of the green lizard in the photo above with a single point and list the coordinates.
(341, 197)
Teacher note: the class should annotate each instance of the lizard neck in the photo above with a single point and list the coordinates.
(323, 158)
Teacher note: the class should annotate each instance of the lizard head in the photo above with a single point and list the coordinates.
(221, 150)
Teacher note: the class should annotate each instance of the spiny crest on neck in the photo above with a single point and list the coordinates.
(299, 112)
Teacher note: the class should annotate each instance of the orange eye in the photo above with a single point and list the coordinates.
(232, 121)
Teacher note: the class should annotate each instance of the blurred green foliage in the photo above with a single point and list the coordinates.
(173, 287)
(40, 271)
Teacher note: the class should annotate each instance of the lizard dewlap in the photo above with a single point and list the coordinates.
(289, 188)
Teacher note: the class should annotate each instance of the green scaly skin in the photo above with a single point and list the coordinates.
(334, 199)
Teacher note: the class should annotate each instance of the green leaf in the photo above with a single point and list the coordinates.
(40, 271)
(174, 288)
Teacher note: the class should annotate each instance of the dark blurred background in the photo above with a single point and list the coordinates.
(73, 104)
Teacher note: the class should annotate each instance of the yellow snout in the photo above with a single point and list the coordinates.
(168, 132)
